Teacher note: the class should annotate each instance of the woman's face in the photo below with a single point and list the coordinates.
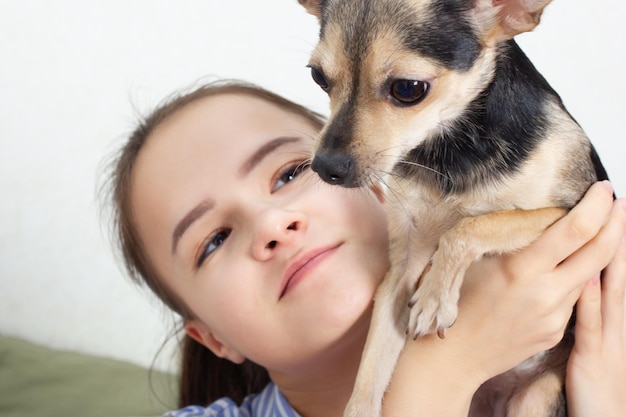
(276, 266)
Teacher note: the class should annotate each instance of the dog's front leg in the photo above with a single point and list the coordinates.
(385, 341)
(434, 304)
(387, 332)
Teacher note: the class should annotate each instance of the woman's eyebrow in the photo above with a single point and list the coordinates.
(193, 215)
(263, 151)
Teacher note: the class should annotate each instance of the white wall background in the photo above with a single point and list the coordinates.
(73, 75)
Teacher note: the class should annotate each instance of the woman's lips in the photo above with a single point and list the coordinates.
(300, 268)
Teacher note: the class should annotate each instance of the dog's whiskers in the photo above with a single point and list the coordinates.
(304, 162)
(384, 153)
(398, 196)
(415, 164)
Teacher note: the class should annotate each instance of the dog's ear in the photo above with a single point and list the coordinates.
(512, 17)
(311, 6)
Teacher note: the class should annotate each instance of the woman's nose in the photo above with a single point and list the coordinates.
(275, 229)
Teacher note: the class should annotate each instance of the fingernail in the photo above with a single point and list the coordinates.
(606, 184)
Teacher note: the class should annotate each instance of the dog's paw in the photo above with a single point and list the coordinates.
(431, 310)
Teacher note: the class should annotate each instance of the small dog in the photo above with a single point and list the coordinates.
(434, 104)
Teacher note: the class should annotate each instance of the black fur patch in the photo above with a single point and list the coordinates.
(444, 33)
(340, 131)
(496, 133)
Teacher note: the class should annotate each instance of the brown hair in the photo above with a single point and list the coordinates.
(204, 376)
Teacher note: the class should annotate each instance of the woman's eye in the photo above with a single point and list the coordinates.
(211, 245)
(290, 174)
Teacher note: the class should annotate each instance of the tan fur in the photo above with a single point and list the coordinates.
(535, 399)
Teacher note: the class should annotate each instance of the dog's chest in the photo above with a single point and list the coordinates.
(424, 212)
(419, 212)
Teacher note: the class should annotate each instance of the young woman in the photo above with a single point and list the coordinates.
(273, 272)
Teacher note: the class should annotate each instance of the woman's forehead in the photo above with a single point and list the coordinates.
(229, 119)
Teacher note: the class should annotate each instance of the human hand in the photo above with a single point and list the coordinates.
(517, 305)
(511, 308)
(596, 372)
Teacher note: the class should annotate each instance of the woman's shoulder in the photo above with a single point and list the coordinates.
(269, 402)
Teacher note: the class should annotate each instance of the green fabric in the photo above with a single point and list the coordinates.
(37, 381)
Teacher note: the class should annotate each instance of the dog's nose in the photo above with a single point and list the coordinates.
(335, 169)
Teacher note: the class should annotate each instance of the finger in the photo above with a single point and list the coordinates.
(596, 254)
(589, 317)
(614, 295)
(574, 230)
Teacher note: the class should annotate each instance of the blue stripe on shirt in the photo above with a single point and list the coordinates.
(268, 403)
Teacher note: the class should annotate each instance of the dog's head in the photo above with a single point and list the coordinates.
(399, 71)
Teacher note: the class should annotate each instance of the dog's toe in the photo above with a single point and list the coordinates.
(432, 315)
(422, 318)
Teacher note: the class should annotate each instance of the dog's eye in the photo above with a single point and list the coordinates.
(319, 78)
(409, 92)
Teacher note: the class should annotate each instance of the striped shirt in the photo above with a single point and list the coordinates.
(268, 403)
